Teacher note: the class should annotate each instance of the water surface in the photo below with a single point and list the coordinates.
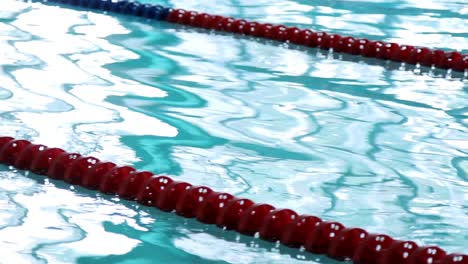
(363, 142)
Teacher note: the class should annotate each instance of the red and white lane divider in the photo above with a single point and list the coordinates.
(223, 209)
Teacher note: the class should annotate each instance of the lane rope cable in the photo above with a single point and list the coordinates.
(223, 209)
(408, 54)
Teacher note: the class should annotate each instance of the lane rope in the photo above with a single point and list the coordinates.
(222, 209)
(409, 54)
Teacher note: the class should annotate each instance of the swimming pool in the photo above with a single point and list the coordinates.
(354, 141)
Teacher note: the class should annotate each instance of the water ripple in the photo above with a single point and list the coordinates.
(362, 142)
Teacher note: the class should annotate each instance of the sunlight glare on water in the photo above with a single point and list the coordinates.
(349, 139)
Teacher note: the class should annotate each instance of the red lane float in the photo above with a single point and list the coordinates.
(377, 49)
(222, 209)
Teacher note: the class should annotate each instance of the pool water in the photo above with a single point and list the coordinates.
(366, 143)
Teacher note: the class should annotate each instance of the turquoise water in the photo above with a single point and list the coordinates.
(353, 140)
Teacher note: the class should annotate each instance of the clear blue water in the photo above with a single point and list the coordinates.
(346, 139)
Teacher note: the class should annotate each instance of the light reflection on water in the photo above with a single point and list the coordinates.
(348, 139)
